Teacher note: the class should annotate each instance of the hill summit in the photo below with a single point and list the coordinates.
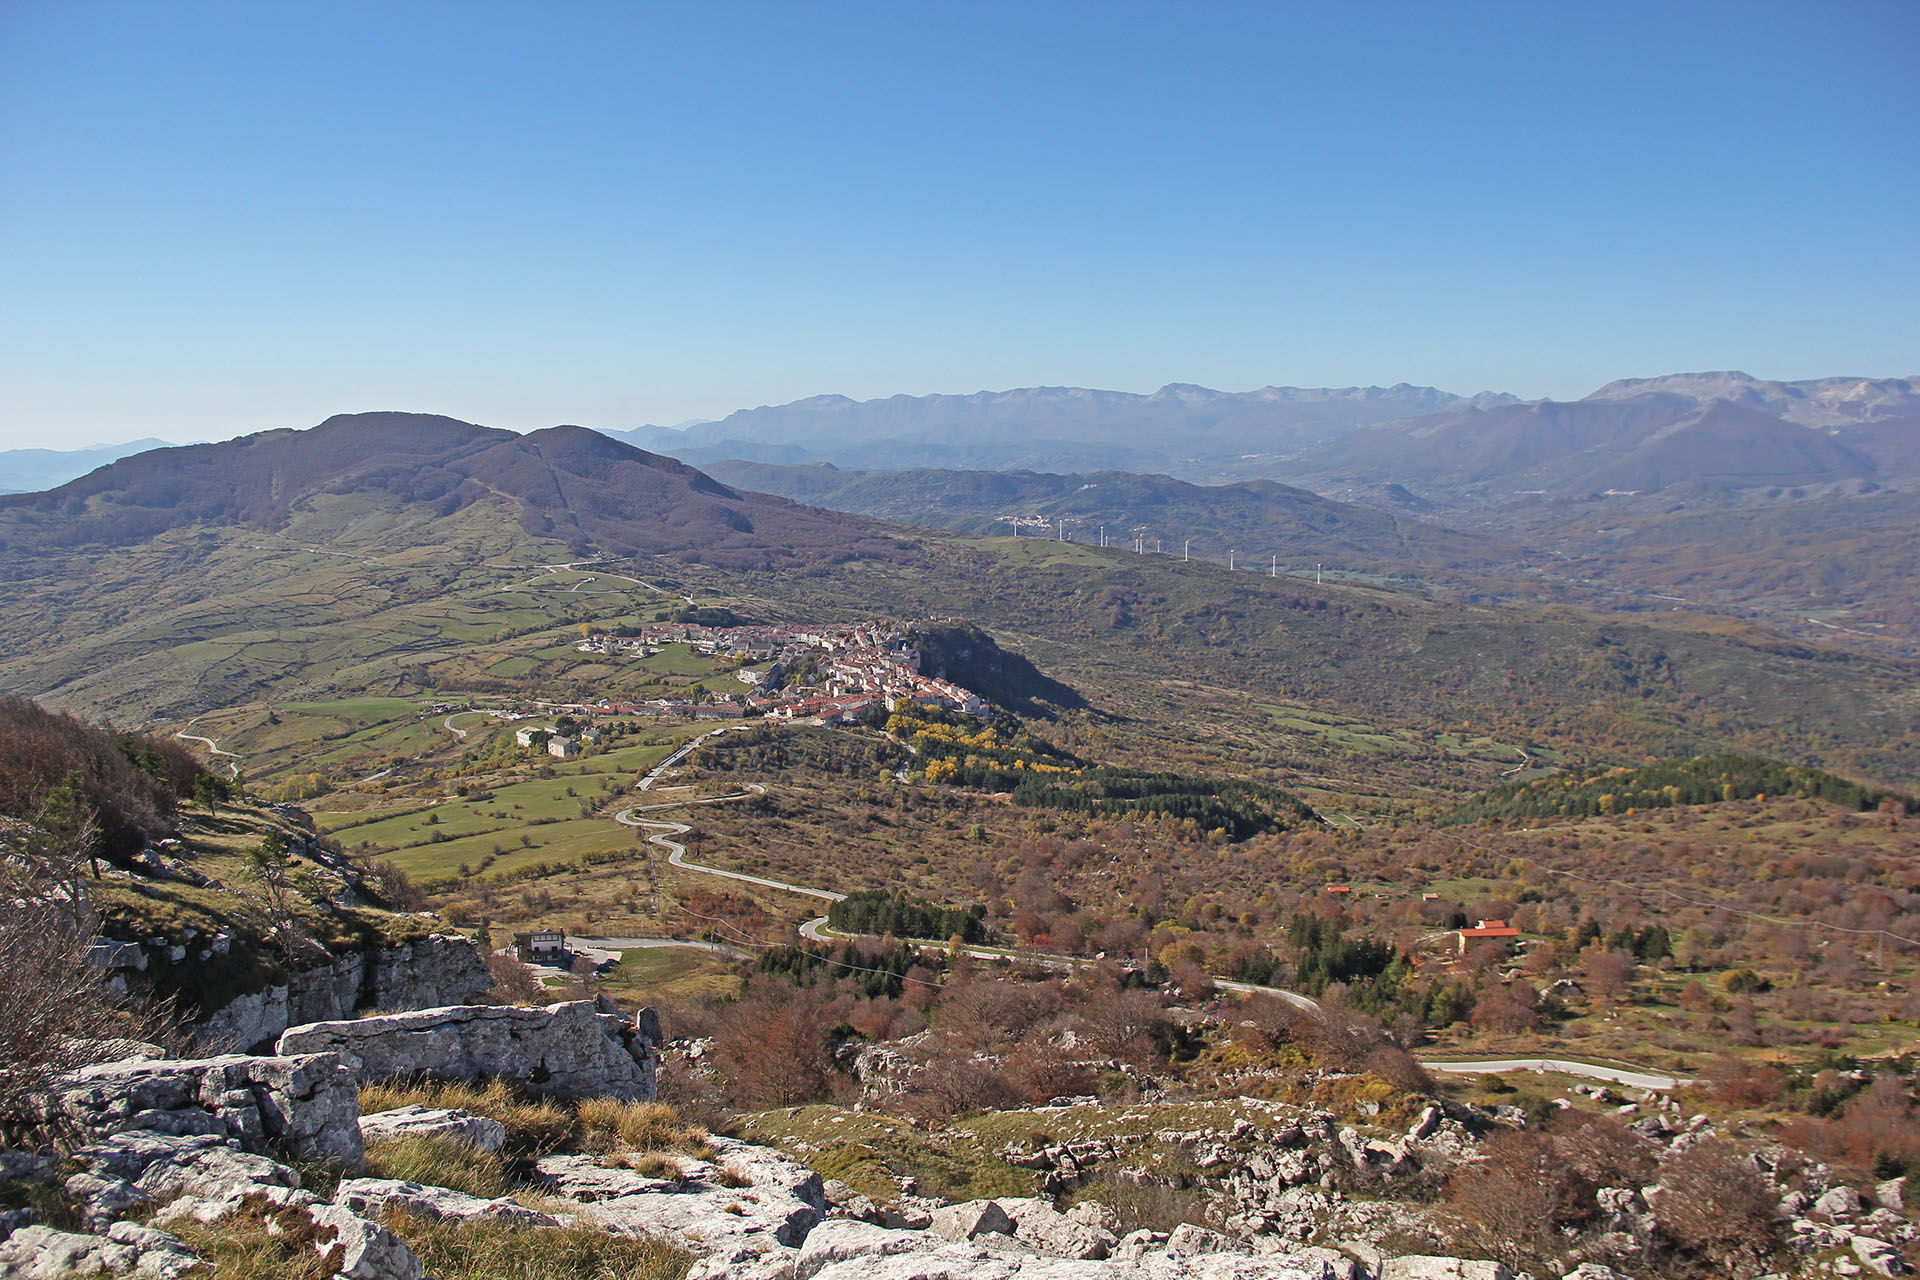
(594, 493)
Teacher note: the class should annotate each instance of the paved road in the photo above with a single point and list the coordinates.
(651, 944)
(213, 748)
(816, 930)
(1613, 1075)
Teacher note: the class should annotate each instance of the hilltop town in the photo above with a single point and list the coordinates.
(830, 673)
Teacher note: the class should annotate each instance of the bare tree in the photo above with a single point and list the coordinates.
(55, 1015)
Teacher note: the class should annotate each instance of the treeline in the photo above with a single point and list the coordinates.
(896, 915)
(112, 791)
(1004, 756)
(876, 975)
(1241, 809)
(1698, 780)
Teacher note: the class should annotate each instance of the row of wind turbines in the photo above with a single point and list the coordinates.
(1054, 528)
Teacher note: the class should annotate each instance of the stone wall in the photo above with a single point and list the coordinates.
(430, 973)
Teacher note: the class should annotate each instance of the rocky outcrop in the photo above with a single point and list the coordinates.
(746, 1206)
(307, 1103)
(429, 973)
(843, 1249)
(413, 1121)
(372, 1197)
(41, 1253)
(579, 1049)
(135, 1171)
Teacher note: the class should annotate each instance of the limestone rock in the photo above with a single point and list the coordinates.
(413, 1121)
(1891, 1194)
(307, 1102)
(429, 973)
(1189, 1241)
(1427, 1267)
(971, 1220)
(1044, 1229)
(579, 1049)
(41, 1253)
(367, 1250)
(744, 1204)
(1593, 1271)
(840, 1240)
(1878, 1256)
(1837, 1203)
(138, 1168)
(371, 1197)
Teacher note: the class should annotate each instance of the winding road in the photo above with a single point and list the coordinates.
(213, 748)
(816, 930)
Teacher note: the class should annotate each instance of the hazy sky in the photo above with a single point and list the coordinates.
(222, 217)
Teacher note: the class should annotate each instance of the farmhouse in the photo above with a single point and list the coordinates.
(1488, 931)
(562, 748)
(547, 945)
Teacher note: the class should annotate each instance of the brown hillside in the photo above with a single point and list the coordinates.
(593, 492)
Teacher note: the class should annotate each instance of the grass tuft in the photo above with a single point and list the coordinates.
(535, 1126)
(610, 1125)
(495, 1251)
(438, 1162)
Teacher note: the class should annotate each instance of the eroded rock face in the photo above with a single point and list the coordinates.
(431, 973)
(307, 1102)
(579, 1049)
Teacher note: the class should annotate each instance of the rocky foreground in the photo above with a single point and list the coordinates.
(158, 1150)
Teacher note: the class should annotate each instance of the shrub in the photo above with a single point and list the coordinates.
(1714, 1205)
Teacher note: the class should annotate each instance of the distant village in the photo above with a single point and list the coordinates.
(831, 675)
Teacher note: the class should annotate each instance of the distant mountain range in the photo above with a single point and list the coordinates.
(31, 470)
(1635, 435)
(1177, 428)
(1403, 447)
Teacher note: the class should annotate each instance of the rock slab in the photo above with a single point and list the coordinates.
(579, 1049)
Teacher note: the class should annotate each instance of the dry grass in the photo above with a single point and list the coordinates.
(493, 1251)
(610, 1125)
(535, 1126)
(438, 1162)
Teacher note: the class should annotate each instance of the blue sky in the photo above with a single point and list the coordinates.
(222, 217)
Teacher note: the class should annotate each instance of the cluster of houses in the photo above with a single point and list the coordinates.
(559, 745)
(855, 667)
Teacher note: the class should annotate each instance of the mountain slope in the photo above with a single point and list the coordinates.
(1633, 443)
(1259, 518)
(1817, 402)
(589, 492)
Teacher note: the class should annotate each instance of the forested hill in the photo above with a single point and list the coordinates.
(1698, 780)
(1259, 518)
(574, 485)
